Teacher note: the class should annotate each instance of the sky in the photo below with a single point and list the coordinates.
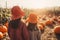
(30, 3)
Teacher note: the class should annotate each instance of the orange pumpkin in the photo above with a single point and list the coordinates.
(48, 22)
(3, 29)
(57, 30)
(1, 35)
(42, 24)
(54, 18)
(41, 27)
(58, 18)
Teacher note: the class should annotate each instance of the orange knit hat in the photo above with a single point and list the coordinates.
(32, 18)
(16, 12)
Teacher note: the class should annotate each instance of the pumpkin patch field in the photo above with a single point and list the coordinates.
(50, 29)
(48, 24)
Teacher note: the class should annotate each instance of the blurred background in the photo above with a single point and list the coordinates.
(45, 10)
(38, 6)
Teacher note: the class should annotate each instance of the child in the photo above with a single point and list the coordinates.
(32, 27)
(17, 29)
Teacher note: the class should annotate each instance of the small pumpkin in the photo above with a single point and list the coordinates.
(42, 24)
(54, 18)
(48, 22)
(3, 29)
(57, 30)
(1, 35)
(41, 27)
(58, 18)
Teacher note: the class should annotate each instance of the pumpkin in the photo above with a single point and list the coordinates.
(42, 24)
(1, 35)
(54, 18)
(58, 18)
(3, 29)
(48, 22)
(41, 27)
(57, 30)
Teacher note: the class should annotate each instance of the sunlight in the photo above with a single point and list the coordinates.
(31, 3)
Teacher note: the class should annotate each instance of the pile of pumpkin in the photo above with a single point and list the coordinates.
(48, 21)
(3, 30)
(57, 27)
(45, 21)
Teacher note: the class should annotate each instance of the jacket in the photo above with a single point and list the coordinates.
(18, 34)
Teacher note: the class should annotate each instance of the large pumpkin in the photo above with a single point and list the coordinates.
(3, 29)
(1, 35)
(57, 30)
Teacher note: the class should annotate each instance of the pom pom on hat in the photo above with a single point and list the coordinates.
(16, 12)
